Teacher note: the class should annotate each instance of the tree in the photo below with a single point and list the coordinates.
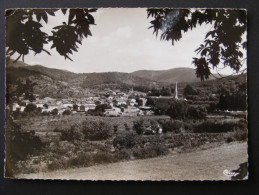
(222, 44)
(55, 112)
(30, 108)
(75, 107)
(26, 89)
(66, 112)
(177, 109)
(188, 90)
(24, 34)
(102, 107)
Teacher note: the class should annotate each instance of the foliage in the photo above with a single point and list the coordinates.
(126, 140)
(115, 128)
(75, 107)
(188, 90)
(139, 126)
(24, 33)
(67, 112)
(142, 126)
(19, 145)
(30, 108)
(74, 133)
(55, 112)
(94, 113)
(178, 109)
(94, 130)
(150, 101)
(219, 126)
(234, 101)
(150, 151)
(198, 112)
(102, 107)
(222, 43)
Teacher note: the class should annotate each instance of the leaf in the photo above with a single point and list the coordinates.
(45, 17)
(64, 11)
(38, 17)
(89, 32)
(90, 18)
(51, 12)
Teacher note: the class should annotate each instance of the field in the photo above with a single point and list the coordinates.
(206, 164)
(64, 142)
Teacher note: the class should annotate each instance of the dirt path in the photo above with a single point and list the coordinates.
(200, 165)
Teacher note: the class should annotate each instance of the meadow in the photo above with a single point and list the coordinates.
(62, 142)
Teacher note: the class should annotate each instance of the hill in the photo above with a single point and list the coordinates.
(180, 75)
(115, 79)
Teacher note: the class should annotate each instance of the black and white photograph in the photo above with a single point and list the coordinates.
(143, 94)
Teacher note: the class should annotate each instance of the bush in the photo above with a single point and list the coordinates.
(139, 126)
(55, 112)
(74, 133)
(67, 112)
(172, 126)
(218, 127)
(197, 112)
(127, 140)
(145, 126)
(103, 157)
(150, 151)
(19, 145)
(177, 109)
(96, 130)
(123, 154)
(30, 108)
(82, 159)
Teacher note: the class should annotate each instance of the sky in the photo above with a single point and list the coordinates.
(122, 42)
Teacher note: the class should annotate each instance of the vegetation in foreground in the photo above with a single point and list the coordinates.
(97, 140)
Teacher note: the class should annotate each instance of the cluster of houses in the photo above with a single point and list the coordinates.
(120, 103)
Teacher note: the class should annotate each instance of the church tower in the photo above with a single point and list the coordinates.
(176, 91)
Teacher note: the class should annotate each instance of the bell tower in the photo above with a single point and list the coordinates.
(176, 91)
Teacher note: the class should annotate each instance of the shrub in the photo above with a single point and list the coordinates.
(30, 108)
(145, 126)
(177, 126)
(103, 157)
(150, 151)
(96, 130)
(127, 128)
(139, 126)
(123, 154)
(127, 140)
(177, 109)
(82, 159)
(19, 145)
(55, 112)
(218, 127)
(197, 112)
(74, 133)
(67, 112)
(115, 128)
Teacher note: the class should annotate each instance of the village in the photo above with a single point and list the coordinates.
(115, 102)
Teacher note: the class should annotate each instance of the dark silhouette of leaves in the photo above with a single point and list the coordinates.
(24, 34)
(221, 44)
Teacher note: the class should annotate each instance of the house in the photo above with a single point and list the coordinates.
(90, 106)
(39, 105)
(142, 101)
(119, 102)
(15, 106)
